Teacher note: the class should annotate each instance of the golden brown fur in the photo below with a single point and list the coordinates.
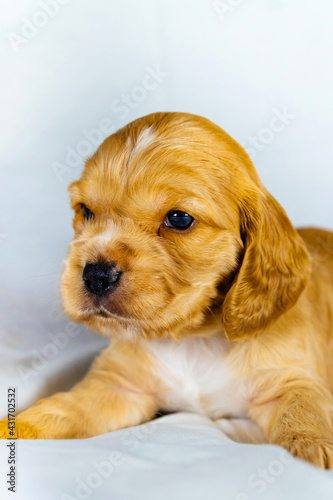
(241, 270)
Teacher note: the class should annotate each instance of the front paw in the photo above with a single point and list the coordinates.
(317, 451)
(17, 430)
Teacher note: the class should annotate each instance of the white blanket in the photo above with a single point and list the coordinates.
(180, 456)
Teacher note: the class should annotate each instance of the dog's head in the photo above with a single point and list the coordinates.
(172, 224)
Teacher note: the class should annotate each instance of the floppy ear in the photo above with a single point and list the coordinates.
(274, 270)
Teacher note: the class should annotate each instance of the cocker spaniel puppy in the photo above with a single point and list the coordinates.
(212, 300)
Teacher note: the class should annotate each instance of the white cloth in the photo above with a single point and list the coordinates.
(177, 457)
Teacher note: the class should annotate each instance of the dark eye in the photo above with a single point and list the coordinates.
(178, 220)
(87, 214)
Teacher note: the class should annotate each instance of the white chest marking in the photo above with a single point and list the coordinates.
(195, 376)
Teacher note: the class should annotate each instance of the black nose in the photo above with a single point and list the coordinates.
(100, 278)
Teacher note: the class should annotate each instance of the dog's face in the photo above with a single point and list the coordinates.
(168, 213)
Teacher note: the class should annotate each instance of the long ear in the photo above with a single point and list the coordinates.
(274, 271)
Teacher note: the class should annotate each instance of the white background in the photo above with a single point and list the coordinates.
(235, 64)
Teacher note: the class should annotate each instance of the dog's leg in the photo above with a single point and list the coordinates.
(296, 414)
(116, 393)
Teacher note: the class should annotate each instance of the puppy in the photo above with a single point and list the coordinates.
(212, 301)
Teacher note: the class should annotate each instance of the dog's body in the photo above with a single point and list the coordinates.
(214, 303)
